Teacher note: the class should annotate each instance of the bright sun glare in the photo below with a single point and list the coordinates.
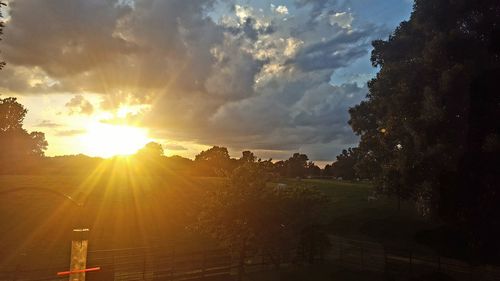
(106, 140)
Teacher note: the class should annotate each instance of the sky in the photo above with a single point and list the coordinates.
(102, 77)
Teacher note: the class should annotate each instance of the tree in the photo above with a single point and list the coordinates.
(247, 157)
(251, 217)
(16, 144)
(2, 25)
(151, 150)
(297, 165)
(213, 162)
(327, 171)
(431, 121)
(12, 114)
(353, 163)
(312, 169)
(344, 166)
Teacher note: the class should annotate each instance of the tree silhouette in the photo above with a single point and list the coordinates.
(431, 123)
(16, 144)
(2, 25)
(151, 150)
(297, 165)
(213, 162)
(247, 157)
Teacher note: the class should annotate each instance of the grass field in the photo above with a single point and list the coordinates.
(127, 212)
(352, 215)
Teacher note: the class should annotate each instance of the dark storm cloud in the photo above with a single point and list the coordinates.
(64, 37)
(339, 51)
(252, 80)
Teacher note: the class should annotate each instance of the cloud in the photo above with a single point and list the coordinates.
(79, 105)
(343, 19)
(48, 124)
(238, 76)
(281, 9)
(69, 133)
(175, 147)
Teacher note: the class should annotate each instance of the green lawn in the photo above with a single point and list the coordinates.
(351, 215)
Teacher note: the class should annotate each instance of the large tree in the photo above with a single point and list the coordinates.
(296, 166)
(431, 121)
(213, 162)
(151, 150)
(16, 144)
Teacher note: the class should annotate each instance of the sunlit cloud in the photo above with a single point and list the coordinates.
(198, 73)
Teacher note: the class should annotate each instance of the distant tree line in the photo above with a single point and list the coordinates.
(217, 162)
(23, 152)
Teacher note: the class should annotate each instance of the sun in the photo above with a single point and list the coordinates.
(106, 140)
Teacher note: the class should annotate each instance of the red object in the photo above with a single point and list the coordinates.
(78, 271)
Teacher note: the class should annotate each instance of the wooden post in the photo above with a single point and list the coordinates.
(78, 261)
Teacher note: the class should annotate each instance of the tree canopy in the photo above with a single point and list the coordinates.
(16, 144)
(431, 121)
(151, 150)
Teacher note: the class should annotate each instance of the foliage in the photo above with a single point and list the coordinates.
(17, 146)
(2, 25)
(431, 123)
(250, 216)
(247, 157)
(151, 149)
(296, 165)
(344, 166)
(213, 162)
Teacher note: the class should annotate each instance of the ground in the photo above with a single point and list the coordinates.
(124, 212)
